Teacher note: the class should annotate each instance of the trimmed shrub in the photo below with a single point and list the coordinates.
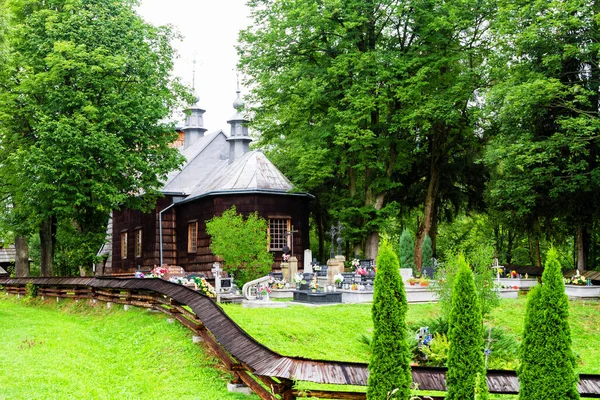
(465, 333)
(426, 252)
(547, 369)
(389, 367)
(407, 251)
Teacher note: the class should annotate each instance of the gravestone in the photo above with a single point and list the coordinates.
(293, 269)
(307, 260)
(277, 275)
(429, 272)
(216, 270)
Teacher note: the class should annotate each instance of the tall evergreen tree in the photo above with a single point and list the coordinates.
(389, 367)
(547, 370)
(465, 333)
(407, 251)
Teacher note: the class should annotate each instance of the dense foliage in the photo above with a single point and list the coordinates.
(465, 355)
(547, 369)
(409, 109)
(389, 367)
(242, 243)
(480, 260)
(84, 95)
(371, 100)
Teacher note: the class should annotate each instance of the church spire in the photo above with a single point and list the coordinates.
(239, 140)
(193, 127)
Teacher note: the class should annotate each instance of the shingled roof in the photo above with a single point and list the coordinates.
(251, 172)
(7, 254)
(201, 160)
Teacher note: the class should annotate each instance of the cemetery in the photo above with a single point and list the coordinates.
(403, 203)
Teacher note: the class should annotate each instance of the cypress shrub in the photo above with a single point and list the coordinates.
(465, 356)
(407, 251)
(547, 370)
(426, 252)
(389, 367)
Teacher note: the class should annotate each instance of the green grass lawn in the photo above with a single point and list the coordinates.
(72, 351)
(334, 332)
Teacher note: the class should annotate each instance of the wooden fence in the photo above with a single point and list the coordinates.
(266, 372)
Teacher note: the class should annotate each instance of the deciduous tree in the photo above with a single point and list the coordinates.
(85, 93)
(242, 243)
(354, 92)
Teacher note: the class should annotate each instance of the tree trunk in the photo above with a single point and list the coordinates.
(433, 234)
(372, 245)
(509, 246)
(530, 250)
(21, 257)
(581, 259)
(538, 255)
(321, 233)
(429, 214)
(47, 243)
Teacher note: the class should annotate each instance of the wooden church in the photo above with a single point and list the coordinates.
(220, 171)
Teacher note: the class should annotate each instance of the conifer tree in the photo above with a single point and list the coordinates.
(465, 355)
(547, 369)
(426, 252)
(389, 367)
(407, 248)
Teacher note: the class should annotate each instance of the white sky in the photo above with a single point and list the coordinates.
(210, 30)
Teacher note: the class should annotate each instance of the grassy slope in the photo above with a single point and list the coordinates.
(334, 332)
(76, 352)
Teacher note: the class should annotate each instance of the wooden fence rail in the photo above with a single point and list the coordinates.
(265, 371)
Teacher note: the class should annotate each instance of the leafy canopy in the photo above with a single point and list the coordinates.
(82, 114)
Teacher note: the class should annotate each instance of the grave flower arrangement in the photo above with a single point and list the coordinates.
(298, 279)
(285, 257)
(361, 271)
(576, 280)
(202, 285)
(158, 272)
(263, 290)
(338, 278)
(514, 274)
(356, 263)
(278, 284)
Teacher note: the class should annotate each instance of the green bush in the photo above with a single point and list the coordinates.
(504, 347)
(481, 258)
(445, 275)
(407, 251)
(31, 290)
(547, 369)
(242, 244)
(437, 352)
(389, 367)
(465, 355)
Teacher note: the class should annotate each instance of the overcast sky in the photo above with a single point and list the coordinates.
(210, 30)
